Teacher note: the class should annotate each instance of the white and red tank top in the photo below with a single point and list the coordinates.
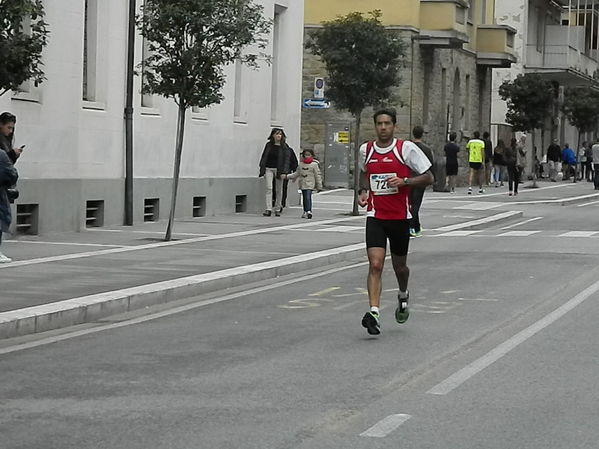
(385, 202)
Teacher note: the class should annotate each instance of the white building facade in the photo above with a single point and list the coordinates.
(557, 39)
(72, 172)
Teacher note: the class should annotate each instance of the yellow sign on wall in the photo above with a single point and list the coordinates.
(342, 137)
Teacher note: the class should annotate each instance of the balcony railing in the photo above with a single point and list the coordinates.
(561, 57)
(443, 23)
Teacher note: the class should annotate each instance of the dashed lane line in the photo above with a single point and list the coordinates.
(385, 426)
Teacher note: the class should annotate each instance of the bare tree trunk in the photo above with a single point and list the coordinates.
(177, 169)
(357, 171)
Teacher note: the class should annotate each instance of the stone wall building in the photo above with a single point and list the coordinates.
(73, 169)
(452, 47)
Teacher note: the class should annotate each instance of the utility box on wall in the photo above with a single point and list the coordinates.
(337, 161)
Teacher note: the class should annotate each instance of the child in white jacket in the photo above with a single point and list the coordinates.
(308, 172)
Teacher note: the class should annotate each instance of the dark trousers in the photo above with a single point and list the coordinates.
(596, 175)
(416, 196)
(283, 196)
(307, 200)
(513, 173)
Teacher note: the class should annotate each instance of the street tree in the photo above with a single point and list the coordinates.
(363, 60)
(581, 108)
(530, 99)
(190, 43)
(23, 36)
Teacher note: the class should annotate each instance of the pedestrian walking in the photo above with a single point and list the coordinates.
(308, 173)
(568, 163)
(275, 162)
(582, 161)
(513, 169)
(417, 193)
(588, 170)
(293, 163)
(488, 157)
(390, 167)
(499, 167)
(8, 178)
(476, 160)
(451, 151)
(554, 159)
(595, 150)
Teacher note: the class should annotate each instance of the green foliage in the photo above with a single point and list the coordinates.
(23, 35)
(581, 107)
(191, 41)
(529, 99)
(363, 60)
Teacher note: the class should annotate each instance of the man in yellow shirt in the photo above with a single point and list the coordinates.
(476, 160)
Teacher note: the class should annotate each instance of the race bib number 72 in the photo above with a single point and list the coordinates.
(379, 185)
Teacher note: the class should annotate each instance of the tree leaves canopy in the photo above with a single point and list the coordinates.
(581, 107)
(191, 41)
(363, 60)
(529, 100)
(23, 35)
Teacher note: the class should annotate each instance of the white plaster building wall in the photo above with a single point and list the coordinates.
(75, 149)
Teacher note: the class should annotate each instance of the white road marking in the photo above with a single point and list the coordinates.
(461, 376)
(332, 192)
(66, 243)
(480, 221)
(520, 223)
(345, 229)
(478, 299)
(579, 234)
(82, 255)
(385, 426)
(479, 205)
(518, 233)
(173, 311)
(126, 231)
(588, 204)
(457, 234)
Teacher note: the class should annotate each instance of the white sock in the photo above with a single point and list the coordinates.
(374, 309)
(403, 295)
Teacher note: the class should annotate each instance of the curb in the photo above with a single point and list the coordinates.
(86, 309)
(91, 308)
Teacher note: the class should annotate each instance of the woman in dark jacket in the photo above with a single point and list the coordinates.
(8, 122)
(510, 157)
(8, 178)
(275, 161)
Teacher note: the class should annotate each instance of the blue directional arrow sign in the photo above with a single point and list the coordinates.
(312, 103)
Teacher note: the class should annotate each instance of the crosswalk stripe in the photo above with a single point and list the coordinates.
(457, 233)
(579, 234)
(518, 233)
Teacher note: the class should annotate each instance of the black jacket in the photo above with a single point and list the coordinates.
(8, 178)
(285, 162)
(554, 153)
(6, 145)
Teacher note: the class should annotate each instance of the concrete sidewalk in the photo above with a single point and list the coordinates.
(65, 279)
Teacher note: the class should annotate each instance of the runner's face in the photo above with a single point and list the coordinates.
(384, 127)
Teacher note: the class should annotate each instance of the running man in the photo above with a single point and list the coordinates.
(387, 165)
(476, 159)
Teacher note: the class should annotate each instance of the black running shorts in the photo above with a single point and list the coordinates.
(476, 165)
(396, 231)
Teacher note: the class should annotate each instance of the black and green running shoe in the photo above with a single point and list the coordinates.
(372, 323)
(402, 313)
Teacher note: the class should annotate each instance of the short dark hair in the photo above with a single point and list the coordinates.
(486, 135)
(418, 132)
(386, 111)
(453, 136)
(476, 135)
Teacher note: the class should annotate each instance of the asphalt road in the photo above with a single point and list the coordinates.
(500, 352)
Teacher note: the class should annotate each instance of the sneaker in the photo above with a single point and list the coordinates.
(469, 190)
(402, 313)
(481, 191)
(304, 215)
(277, 213)
(412, 232)
(267, 213)
(309, 215)
(372, 323)
(417, 234)
(4, 259)
(452, 192)
(510, 194)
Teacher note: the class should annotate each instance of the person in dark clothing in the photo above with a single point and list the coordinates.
(499, 167)
(275, 162)
(589, 163)
(8, 173)
(510, 156)
(417, 193)
(451, 161)
(554, 158)
(8, 122)
(293, 164)
(488, 156)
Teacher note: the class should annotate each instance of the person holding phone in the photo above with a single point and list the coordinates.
(8, 123)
